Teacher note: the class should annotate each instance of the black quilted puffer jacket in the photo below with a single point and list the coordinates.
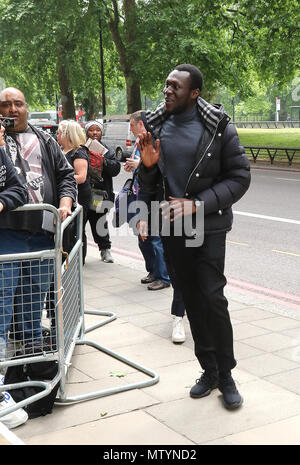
(221, 174)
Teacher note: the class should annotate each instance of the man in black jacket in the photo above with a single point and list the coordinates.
(192, 159)
(48, 178)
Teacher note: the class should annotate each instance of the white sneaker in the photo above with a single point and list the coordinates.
(13, 419)
(178, 333)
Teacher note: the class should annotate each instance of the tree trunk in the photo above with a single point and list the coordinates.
(133, 94)
(127, 59)
(66, 92)
(91, 105)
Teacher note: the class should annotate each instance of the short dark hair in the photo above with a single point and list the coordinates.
(195, 75)
(136, 116)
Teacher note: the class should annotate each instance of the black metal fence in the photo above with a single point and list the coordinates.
(277, 154)
(267, 124)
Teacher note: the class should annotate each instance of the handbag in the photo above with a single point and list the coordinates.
(123, 200)
(97, 197)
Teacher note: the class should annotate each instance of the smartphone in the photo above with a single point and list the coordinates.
(7, 122)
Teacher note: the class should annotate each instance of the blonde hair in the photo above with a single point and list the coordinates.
(73, 131)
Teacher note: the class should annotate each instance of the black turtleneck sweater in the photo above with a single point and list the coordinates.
(179, 138)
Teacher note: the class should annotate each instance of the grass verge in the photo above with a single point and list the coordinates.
(270, 137)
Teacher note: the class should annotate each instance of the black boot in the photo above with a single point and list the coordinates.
(231, 396)
(208, 381)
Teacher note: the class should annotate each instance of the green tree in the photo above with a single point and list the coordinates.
(228, 40)
(49, 45)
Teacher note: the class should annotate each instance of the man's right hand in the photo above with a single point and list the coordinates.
(149, 154)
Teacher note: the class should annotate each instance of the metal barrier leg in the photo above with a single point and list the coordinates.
(106, 392)
(66, 315)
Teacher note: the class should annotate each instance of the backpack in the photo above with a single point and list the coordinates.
(32, 372)
(95, 170)
(96, 152)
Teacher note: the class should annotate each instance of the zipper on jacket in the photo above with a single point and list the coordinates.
(207, 148)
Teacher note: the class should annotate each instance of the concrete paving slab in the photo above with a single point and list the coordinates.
(235, 305)
(83, 413)
(266, 364)
(94, 292)
(8, 438)
(105, 301)
(294, 333)
(164, 329)
(252, 314)
(292, 353)
(271, 342)
(75, 376)
(158, 354)
(203, 420)
(144, 296)
(278, 323)
(218, 442)
(90, 319)
(135, 428)
(290, 380)
(245, 330)
(267, 348)
(129, 308)
(121, 335)
(176, 381)
(147, 319)
(243, 350)
(281, 433)
(117, 380)
(98, 365)
(125, 289)
(163, 303)
(103, 281)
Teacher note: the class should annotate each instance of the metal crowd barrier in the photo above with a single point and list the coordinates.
(62, 321)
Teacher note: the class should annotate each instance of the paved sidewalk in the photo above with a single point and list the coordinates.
(267, 347)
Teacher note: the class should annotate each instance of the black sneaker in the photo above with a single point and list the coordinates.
(231, 396)
(204, 385)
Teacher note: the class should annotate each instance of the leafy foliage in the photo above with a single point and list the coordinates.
(235, 43)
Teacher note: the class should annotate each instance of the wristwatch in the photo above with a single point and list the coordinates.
(197, 203)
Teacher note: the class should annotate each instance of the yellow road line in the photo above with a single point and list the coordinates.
(286, 253)
(239, 243)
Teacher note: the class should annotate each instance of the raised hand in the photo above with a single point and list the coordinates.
(149, 154)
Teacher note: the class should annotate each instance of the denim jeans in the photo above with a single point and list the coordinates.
(153, 253)
(24, 284)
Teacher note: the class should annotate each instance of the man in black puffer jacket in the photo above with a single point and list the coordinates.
(192, 159)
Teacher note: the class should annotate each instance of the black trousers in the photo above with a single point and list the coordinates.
(177, 307)
(200, 274)
(103, 242)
